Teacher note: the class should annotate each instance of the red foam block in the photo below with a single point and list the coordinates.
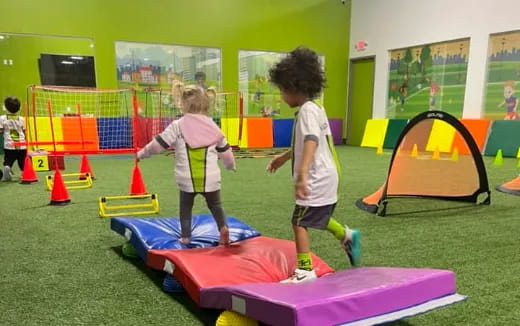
(256, 260)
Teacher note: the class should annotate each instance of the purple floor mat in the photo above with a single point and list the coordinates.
(338, 298)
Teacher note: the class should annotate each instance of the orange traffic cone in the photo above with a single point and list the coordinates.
(415, 151)
(85, 168)
(137, 186)
(379, 150)
(59, 194)
(436, 154)
(28, 175)
(455, 155)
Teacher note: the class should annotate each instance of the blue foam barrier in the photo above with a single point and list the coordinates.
(282, 132)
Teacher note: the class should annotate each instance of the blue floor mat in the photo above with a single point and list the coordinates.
(164, 233)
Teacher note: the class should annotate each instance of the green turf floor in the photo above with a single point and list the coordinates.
(63, 265)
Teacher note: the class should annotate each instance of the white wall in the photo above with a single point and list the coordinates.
(392, 24)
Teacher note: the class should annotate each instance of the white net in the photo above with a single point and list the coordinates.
(80, 119)
(77, 120)
(227, 106)
(228, 113)
(158, 108)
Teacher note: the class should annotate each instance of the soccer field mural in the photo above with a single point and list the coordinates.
(261, 98)
(428, 77)
(143, 65)
(503, 79)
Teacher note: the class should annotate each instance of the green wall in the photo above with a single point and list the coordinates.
(25, 51)
(270, 25)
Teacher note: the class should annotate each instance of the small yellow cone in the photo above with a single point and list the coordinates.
(499, 160)
(518, 153)
(379, 150)
(436, 153)
(455, 155)
(415, 152)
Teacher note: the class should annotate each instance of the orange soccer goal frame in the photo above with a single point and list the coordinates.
(512, 187)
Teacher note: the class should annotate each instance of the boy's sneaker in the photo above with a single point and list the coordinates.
(301, 276)
(353, 247)
(7, 174)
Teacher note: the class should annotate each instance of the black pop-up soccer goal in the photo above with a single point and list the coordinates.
(419, 168)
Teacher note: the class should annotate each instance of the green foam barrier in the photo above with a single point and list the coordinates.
(505, 135)
(395, 127)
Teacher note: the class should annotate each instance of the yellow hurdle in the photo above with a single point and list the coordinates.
(72, 184)
(126, 210)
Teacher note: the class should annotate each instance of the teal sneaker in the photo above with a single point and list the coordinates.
(352, 248)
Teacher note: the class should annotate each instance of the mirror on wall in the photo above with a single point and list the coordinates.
(261, 98)
(42, 59)
(147, 65)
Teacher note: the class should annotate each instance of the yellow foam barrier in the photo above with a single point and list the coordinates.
(375, 132)
(231, 127)
(42, 132)
(441, 137)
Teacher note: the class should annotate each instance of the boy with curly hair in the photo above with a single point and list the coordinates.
(315, 167)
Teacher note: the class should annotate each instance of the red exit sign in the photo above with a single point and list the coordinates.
(361, 45)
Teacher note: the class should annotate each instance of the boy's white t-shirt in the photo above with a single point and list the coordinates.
(196, 170)
(13, 126)
(311, 123)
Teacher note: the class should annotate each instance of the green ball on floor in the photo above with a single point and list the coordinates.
(128, 250)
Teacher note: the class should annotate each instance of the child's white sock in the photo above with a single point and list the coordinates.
(348, 232)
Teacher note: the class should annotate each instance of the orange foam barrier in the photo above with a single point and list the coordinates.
(478, 128)
(259, 132)
(71, 131)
